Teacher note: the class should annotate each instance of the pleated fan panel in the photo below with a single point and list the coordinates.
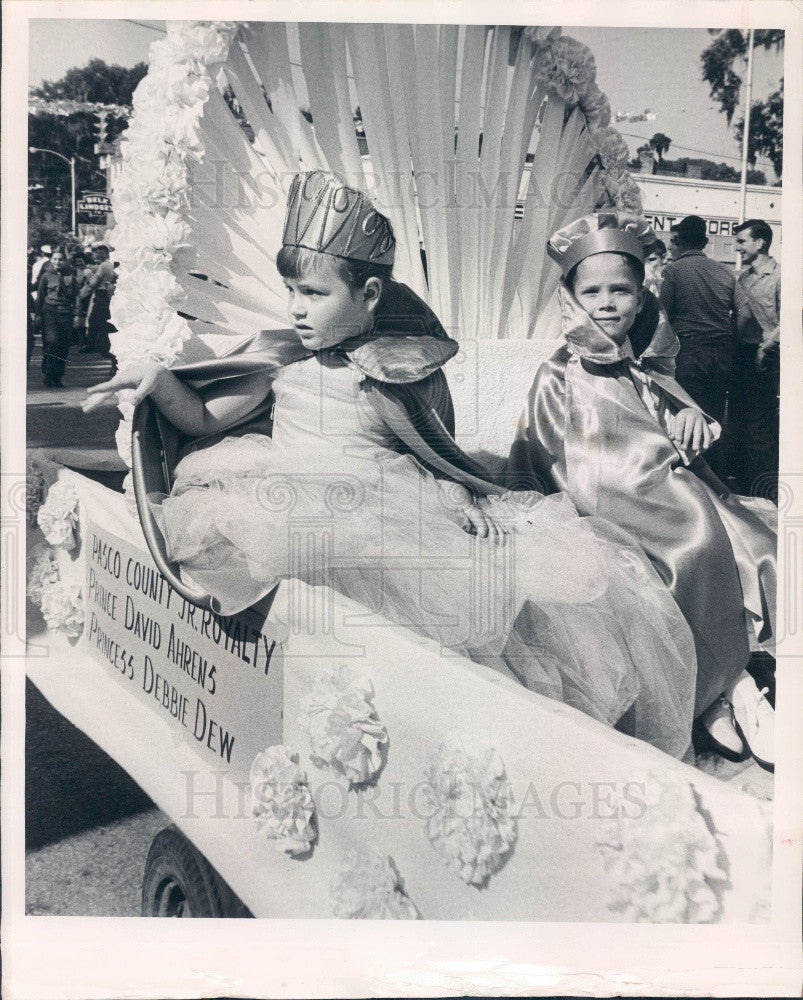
(453, 129)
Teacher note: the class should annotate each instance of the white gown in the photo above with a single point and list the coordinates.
(570, 605)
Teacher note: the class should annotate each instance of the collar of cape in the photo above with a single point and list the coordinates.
(406, 344)
(651, 341)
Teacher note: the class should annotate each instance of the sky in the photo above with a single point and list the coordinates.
(660, 71)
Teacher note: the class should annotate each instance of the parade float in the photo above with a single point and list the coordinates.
(315, 759)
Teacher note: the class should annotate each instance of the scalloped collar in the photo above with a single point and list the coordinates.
(588, 340)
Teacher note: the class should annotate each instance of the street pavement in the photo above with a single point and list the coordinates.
(88, 825)
(57, 424)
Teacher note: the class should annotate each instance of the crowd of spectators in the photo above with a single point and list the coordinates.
(70, 287)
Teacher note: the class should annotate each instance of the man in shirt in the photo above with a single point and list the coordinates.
(56, 297)
(755, 383)
(704, 304)
(100, 288)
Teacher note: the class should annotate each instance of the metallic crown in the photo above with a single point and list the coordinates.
(610, 231)
(326, 215)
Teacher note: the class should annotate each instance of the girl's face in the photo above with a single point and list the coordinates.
(325, 311)
(606, 288)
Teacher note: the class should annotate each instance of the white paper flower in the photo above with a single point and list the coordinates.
(281, 801)
(344, 730)
(63, 607)
(613, 150)
(151, 197)
(566, 66)
(42, 571)
(58, 515)
(663, 866)
(122, 438)
(368, 887)
(40, 472)
(596, 107)
(471, 822)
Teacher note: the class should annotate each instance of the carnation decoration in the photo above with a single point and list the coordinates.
(344, 729)
(58, 515)
(61, 601)
(471, 822)
(664, 865)
(281, 801)
(151, 198)
(42, 571)
(368, 887)
(566, 67)
(596, 108)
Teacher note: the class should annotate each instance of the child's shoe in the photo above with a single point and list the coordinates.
(754, 718)
(715, 730)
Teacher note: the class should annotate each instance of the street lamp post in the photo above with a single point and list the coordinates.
(71, 161)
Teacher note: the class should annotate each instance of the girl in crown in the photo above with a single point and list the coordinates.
(359, 485)
(607, 423)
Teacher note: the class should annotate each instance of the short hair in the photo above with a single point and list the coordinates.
(691, 232)
(657, 247)
(759, 230)
(635, 266)
(294, 262)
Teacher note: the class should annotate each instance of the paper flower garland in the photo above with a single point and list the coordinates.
(58, 515)
(663, 867)
(61, 601)
(281, 801)
(344, 730)
(565, 66)
(567, 69)
(471, 823)
(151, 198)
(368, 887)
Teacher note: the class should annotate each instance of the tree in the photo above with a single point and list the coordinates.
(97, 82)
(76, 135)
(719, 61)
(766, 130)
(660, 143)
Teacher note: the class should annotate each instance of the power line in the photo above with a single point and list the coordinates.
(691, 149)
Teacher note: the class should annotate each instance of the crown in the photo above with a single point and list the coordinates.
(326, 215)
(604, 232)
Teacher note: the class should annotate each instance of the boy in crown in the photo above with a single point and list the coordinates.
(359, 484)
(607, 423)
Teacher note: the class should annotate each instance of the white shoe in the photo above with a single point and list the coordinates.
(720, 732)
(754, 718)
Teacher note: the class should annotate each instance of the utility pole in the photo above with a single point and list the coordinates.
(746, 130)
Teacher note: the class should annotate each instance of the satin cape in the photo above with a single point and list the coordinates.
(592, 428)
(401, 359)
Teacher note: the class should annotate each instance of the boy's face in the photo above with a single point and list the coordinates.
(606, 288)
(325, 311)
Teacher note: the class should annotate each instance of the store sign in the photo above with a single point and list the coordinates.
(92, 201)
(720, 231)
(93, 208)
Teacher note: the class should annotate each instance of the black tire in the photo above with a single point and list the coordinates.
(180, 882)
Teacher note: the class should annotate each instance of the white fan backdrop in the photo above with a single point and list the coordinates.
(459, 124)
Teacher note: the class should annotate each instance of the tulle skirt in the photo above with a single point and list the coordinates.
(569, 605)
